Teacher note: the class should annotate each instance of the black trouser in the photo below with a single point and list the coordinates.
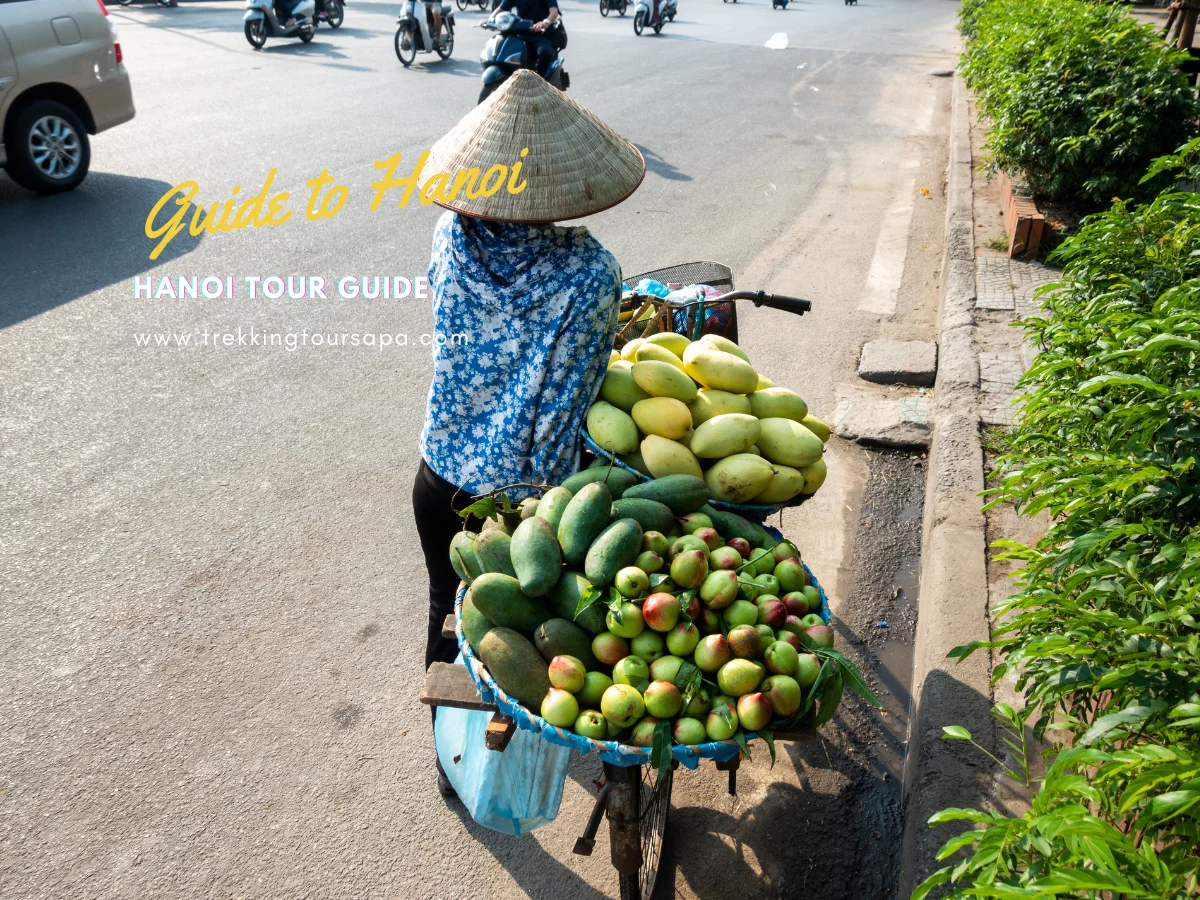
(435, 504)
(543, 50)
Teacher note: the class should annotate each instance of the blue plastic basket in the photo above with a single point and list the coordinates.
(754, 511)
(610, 751)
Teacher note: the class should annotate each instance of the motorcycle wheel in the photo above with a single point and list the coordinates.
(489, 89)
(337, 14)
(658, 27)
(639, 22)
(406, 47)
(624, 6)
(444, 53)
(256, 33)
(604, 8)
(671, 17)
(306, 33)
(125, 2)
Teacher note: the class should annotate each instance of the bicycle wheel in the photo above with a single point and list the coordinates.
(654, 808)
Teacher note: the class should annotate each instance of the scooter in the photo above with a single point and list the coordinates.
(642, 15)
(619, 6)
(509, 50)
(331, 12)
(414, 32)
(261, 22)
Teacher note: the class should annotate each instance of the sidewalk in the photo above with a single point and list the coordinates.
(982, 357)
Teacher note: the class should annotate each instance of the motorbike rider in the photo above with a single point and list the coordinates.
(544, 14)
(435, 7)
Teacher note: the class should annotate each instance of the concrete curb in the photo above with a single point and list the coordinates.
(954, 590)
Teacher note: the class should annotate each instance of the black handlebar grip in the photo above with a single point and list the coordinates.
(787, 304)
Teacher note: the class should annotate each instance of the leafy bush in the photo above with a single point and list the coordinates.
(1080, 97)
(1103, 635)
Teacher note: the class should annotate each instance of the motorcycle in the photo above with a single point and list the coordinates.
(509, 50)
(619, 5)
(642, 17)
(331, 12)
(414, 33)
(463, 4)
(262, 21)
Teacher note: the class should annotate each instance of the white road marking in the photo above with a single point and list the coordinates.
(891, 248)
(777, 41)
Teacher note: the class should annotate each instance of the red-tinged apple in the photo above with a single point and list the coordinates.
(567, 673)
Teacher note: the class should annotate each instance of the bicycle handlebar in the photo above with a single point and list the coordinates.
(775, 301)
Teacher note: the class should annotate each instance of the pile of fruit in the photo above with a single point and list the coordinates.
(670, 406)
(634, 611)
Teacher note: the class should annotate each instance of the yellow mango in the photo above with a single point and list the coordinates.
(629, 351)
(709, 403)
(611, 428)
(666, 457)
(619, 388)
(739, 478)
(814, 476)
(778, 403)
(664, 416)
(649, 351)
(724, 344)
(788, 442)
(764, 382)
(661, 379)
(676, 343)
(613, 356)
(816, 426)
(725, 435)
(718, 369)
(785, 485)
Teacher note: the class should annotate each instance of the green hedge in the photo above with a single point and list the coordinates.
(1080, 97)
(1103, 635)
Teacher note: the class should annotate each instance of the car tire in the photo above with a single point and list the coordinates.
(48, 149)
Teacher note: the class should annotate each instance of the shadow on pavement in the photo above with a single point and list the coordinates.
(44, 236)
(540, 875)
(660, 167)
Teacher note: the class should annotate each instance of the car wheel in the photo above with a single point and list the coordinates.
(256, 33)
(49, 151)
(406, 47)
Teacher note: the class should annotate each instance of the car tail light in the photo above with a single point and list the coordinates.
(113, 31)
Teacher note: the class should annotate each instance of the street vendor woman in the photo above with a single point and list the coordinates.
(524, 312)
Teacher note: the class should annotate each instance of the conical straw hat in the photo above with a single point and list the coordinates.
(576, 165)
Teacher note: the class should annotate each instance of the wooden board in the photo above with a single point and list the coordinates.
(499, 732)
(448, 626)
(449, 685)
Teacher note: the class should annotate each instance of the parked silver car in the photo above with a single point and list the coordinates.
(61, 79)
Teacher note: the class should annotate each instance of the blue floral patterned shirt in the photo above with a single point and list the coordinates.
(524, 318)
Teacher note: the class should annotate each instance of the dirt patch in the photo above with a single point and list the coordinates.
(827, 817)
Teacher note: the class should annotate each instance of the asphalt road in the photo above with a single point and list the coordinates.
(213, 615)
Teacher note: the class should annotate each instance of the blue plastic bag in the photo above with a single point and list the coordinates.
(513, 791)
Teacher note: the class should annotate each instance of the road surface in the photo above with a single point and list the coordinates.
(211, 635)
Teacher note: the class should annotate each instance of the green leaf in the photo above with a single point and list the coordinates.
(739, 738)
(768, 735)
(955, 733)
(853, 677)
(660, 748)
(591, 595)
(483, 508)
